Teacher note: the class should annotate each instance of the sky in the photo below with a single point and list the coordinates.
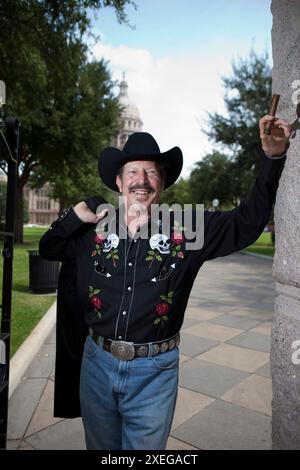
(174, 57)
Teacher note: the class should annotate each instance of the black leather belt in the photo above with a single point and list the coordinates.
(127, 351)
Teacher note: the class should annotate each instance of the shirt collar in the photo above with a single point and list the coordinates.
(153, 224)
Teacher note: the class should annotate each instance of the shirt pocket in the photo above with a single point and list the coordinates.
(168, 270)
(100, 270)
(164, 273)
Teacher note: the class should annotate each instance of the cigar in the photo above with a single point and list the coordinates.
(272, 112)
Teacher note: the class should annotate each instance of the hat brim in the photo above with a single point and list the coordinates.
(112, 159)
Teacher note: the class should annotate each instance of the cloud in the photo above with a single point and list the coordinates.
(172, 94)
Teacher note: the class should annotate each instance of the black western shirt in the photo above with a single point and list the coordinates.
(136, 289)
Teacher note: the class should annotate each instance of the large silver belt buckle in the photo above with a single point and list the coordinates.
(122, 350)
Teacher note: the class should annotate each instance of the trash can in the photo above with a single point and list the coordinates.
(43, 274)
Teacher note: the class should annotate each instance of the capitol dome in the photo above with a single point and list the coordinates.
(130, 116)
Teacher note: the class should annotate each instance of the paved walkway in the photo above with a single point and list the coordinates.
(224, 398)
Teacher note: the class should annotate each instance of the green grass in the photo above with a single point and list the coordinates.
(27, 308)
(262, 246)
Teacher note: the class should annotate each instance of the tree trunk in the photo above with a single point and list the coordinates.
(18, 231)
(62, 205)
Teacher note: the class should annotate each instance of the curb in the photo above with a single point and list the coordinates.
(257, 255)
(23, 357)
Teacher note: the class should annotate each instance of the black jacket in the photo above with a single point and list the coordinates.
(71, 332)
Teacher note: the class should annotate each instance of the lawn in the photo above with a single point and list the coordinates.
(27, 308)
(263, 245)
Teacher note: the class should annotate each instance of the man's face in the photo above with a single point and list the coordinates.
(141, 182)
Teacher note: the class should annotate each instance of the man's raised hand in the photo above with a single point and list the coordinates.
(86, 215)
(277, 142)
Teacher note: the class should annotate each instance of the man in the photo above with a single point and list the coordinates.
(134, 290)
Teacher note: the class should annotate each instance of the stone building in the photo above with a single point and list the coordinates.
(130, 120)
(42, 210)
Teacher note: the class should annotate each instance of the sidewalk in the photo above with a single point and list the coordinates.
(224, 399)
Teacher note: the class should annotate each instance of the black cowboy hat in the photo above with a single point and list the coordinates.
(139, 146)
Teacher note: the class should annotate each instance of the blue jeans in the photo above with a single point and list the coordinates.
(127, 404)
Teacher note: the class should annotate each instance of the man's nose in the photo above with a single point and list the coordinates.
(143, 177)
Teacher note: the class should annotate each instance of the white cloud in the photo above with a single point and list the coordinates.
(172, 95)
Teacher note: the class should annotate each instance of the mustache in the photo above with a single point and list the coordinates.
(146, 187)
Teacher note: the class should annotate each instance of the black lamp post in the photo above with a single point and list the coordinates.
(9, 140)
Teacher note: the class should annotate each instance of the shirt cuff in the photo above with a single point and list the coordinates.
(68, 222)
(277, 156)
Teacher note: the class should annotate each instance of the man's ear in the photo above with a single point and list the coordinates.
(119, 183)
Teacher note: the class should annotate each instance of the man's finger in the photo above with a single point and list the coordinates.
(282, 122)
(267, 118)
(102, 214)
(263, 121)
(285, 126)
(278, 123)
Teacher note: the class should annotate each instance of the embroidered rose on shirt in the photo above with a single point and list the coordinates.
(177, 239)
(99, 239)
(113, 254)
(107, 245)
(95, 300)
(162, 308)
(176, 251)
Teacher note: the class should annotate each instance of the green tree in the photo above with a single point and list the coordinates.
(212, 179)
(247, 99)
(43, 57)
(178, 193)
(90, 121)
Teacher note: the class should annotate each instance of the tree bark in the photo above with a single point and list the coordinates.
(62, 205)
(18, 231)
